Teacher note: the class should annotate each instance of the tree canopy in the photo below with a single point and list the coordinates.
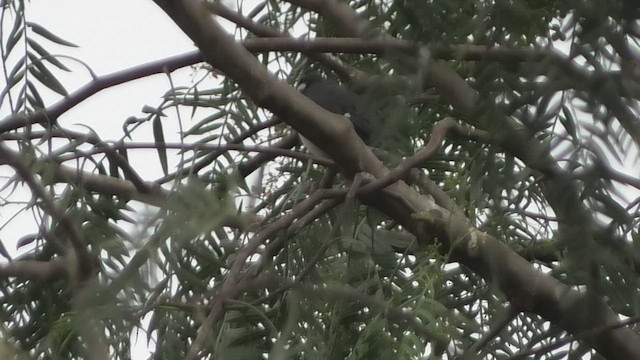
(496, 219)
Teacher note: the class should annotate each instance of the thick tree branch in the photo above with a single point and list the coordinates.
(108, 185)
(439, 76)
(560, 190)
(525, 287)
(34, 270)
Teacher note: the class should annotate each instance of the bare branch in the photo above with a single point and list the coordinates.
(51, 114)
(440, 131)
(34, 270)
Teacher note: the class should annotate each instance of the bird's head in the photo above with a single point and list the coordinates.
(308, 79)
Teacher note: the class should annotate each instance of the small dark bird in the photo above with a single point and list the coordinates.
(338, 99)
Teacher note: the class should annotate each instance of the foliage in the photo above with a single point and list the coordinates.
(338, 279)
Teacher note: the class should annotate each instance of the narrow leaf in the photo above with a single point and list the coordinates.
(40, 30)
(158, 135)
(113, 169)
(3, 251)
(17, 72)
(16, 75)
(16, 31)
(40, 72)
(26, 240)
(195, 97)
(12, 41)
(568, 122)
(37, 99)
(45, 55)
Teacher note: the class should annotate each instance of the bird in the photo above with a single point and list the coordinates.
(338, 99)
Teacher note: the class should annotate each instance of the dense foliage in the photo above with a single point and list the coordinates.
(255, 249)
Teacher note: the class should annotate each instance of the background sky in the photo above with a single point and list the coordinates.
(112, 35)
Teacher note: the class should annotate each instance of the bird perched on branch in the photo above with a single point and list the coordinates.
(338, 99)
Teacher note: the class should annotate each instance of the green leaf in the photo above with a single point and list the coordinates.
(130, 121)
(37, 99)
(26, 240)
(40, 30)
(17, 72)
(40, 72)
(205, 129)
(45, 55)
(113, 169)
(3, 251)
(15, 76)
(568, 122)
(158, 135)
(146, 109)
(12, 41)
(195, 98)
(21, 99)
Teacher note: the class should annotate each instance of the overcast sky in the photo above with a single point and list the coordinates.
(112, 35)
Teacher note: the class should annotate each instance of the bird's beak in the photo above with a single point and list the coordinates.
(301, 87)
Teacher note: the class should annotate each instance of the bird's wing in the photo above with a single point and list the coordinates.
(340, 100)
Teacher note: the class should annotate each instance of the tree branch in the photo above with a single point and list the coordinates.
(51, 114)
(34, 270)
(84, 268)
(525, 287)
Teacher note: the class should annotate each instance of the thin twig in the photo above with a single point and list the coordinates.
(438, 135)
